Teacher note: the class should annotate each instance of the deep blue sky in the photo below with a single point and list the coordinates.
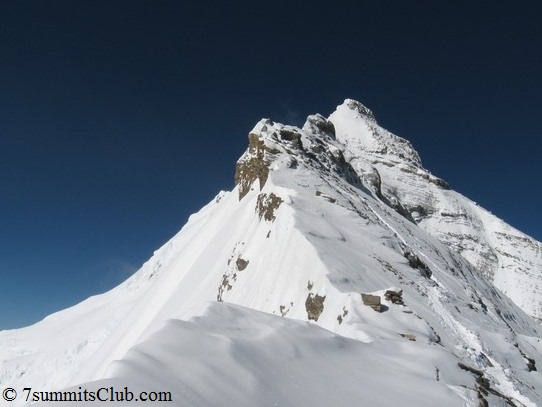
(118, 119)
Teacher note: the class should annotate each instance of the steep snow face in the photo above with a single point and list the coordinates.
(309, 233)
(512, 260)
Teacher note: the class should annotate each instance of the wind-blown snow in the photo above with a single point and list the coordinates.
(234, 356)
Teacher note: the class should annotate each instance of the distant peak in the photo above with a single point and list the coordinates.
(358, 107)
(357, 129)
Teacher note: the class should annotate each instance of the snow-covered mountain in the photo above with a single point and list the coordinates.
(338, 271)
(511, 259)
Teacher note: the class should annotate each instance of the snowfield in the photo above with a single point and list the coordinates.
(338, 271)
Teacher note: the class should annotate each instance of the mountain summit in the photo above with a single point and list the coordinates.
(355, 148)
(338, 271)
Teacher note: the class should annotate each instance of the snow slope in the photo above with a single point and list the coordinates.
(511, 259)
(234, 356)
(309, 228)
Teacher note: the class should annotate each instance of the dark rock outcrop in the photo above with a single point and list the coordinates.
(372, 301)
(255, 166)
(395, 296)
(415, 262)
(266, 206)
(318, 123)
(314, 306)
(241, 263)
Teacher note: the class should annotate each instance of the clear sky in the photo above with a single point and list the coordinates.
(118, 119)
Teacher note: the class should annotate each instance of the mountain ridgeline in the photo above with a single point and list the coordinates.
(338, 271)
(352, 146)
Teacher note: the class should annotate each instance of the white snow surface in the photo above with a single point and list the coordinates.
(257, 301)
(234, 356)
(511, 259)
